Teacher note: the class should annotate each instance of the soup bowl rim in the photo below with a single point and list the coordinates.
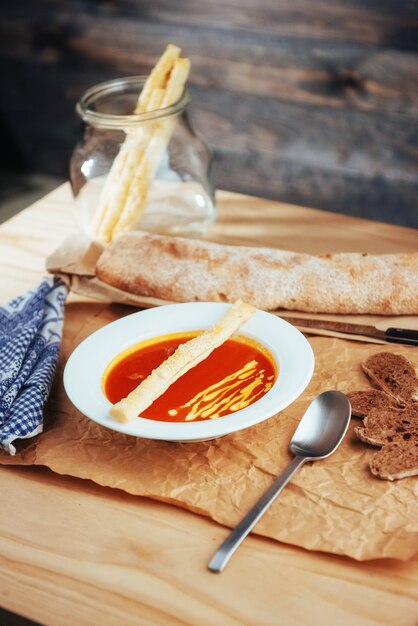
(85, 368)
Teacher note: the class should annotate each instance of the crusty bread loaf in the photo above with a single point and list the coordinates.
(396, 460)
(178, 269)
(362, 402)
(382, 426)
(394, 374)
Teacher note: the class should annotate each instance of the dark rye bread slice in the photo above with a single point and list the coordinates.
(383, 426)
(396, 460)
(390, 415)
(362, 402)
(393, 374)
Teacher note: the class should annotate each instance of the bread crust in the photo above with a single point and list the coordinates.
(179, 270)
(383, 426)
(394, 375)
(396, 461)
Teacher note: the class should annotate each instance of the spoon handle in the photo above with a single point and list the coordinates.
(237, 536)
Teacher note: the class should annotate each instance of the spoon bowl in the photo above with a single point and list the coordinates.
(318, 435)
(322, 427)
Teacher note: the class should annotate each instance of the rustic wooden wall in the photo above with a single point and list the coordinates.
(310, 101)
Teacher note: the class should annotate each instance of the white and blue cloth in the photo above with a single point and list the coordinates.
(30, 340)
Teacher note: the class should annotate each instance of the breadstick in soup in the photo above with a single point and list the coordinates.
(184, 358)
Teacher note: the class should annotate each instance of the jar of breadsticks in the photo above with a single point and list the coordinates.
(139, 163)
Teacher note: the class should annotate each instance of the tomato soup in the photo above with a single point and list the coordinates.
(231, 378)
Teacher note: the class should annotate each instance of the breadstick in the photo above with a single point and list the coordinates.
(184, 358)
(144, 174)
(116, 188)
(158, 77)
(119, 179)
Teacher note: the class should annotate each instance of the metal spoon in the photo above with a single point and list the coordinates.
(318, 435)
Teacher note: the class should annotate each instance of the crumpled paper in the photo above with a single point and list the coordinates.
(74, 261)
(335, 505)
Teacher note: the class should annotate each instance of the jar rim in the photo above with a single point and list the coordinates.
(110, 120)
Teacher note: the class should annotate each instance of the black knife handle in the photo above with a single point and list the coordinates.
(402, 335)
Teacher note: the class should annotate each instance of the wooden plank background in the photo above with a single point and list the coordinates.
(307, 101)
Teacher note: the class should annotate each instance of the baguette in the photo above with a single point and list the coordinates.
(184, 270)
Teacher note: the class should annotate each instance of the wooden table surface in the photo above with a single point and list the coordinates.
(116, 559)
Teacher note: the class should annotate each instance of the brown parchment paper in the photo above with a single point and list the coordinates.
(335, 505)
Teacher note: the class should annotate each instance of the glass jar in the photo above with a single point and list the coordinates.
(180, 198)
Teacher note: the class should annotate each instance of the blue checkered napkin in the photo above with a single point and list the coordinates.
(30, 339)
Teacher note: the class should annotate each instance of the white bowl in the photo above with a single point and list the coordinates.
(84, 370)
